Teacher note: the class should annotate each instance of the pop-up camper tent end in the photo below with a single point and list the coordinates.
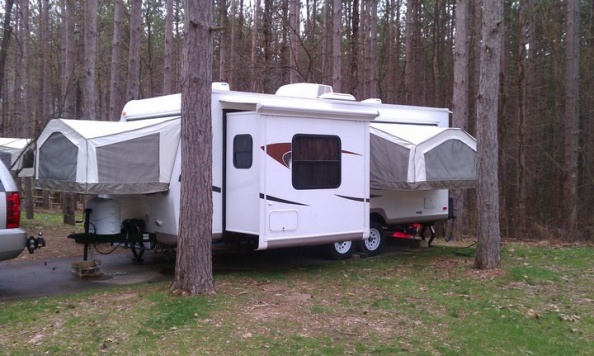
(17, 154)
(413, 157)
(99, 157)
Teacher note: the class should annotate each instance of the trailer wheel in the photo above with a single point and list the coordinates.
(341, 250)
(374, 245)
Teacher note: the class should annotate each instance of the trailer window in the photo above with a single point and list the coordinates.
(242, 151)
(316, 162)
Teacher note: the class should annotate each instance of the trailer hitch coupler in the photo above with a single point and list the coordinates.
(34, 243)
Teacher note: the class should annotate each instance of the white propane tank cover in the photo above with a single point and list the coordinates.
(105, 216)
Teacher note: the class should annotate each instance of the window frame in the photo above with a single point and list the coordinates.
(238, 161)
(324, 167)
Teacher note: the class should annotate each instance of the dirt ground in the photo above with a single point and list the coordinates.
(57, 243)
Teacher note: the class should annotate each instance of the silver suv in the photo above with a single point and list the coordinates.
(13, 239)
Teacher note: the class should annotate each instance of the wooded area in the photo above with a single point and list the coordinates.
(85, 59)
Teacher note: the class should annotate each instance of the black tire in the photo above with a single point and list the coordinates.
(341, 250)
(374, 245)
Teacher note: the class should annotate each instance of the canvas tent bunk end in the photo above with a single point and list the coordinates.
(98, 157)
(413, 157)
(18, 155)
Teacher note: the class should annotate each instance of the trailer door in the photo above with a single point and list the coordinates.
(242, 178)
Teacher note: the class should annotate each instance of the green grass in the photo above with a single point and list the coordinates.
(44, 219)
(426, 302)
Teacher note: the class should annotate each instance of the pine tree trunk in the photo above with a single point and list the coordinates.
(133, 83)
(193, 268)
(326, 44)
(488, 249)
(45, 83)
(25, 34)
(68, 201)
(223, 69)
(295, 7)
(412, 83)
(354, 48)
(336, 47)
(572, 127)
(267, 44)
(254, 48)
(522, 81)
(461, 91)
(115, 87)
(168, 50)
(90, 40)
(6, 36)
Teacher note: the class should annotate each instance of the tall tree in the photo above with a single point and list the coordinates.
(326, 43)
(44, 101)
(412, 84)
(133, 82)
(193, 267)
(223, 67)
(525, 58)
(90, 59)
(68, 94)
(354, 78)
(25, 35)
(572, 125)
(336, 46)
(461, 91)
(588, 109)
(6, 34)
(115, 87)
(372, 74)
(254, 48)
(363, 57)
(232, 43)
(168, 50)
(488, 251)
(295, 8)
(437, 39)
(267, 45)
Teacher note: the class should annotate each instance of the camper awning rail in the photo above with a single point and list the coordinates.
(317, 112)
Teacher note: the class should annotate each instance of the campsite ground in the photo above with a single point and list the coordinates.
(420, 301)
(49, 222)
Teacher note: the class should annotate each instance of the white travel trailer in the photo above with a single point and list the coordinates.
(303, 167)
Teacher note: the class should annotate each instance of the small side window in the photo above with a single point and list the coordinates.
(242, 151)
(29, 159)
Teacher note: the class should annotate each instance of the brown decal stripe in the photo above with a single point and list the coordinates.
(216, 189)
(279, 200)
(351, 153)
(279, 151)
(353, 198)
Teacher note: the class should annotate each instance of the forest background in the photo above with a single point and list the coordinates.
(85, 59)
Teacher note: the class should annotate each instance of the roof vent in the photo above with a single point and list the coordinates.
(304, 90)
(337, 96)
(372, 101)
(221, 86)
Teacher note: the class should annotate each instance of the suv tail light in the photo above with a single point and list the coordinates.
(13, 210)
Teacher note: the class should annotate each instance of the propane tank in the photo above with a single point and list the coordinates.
(105, 216)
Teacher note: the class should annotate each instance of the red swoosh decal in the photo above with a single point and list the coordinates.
(280, 152)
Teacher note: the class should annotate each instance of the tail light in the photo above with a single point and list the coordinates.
(13, 210)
